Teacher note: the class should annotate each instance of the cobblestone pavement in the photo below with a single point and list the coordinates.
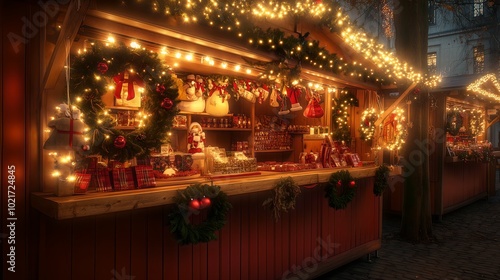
(466, 246)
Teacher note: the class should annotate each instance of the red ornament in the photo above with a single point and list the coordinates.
(353, 184)
(160, 88)
(85, 147)
(339, 183)
(205, 202)
(120, 142)
(102, 67)
(167, 103)
(194, 204)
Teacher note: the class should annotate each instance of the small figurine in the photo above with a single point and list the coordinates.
(196, 139)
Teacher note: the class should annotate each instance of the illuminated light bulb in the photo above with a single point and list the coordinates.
(111, 39)
(56, 173)
(134, 45)
(237, 67)
(189, 57)
(178, 55)
(223, 65)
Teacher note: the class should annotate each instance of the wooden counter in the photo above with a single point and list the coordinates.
(126, 234)
(95, 203)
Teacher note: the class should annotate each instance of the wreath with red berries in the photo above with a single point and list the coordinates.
(191, 201)
(340, 189)
(100, 66)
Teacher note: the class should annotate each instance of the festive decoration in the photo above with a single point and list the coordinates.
(217, 102)
(313, 108)
(340, 115)
(167, 103)
(394, 130)
(196, 139)
(66, 130)
(454, 121)
(487, 87)
(476, 122)
(120, 142)
(340, 189)
(293, 94)
(367, 126)
(285, 191)
(89, 84)
(381, 180)
(218, 208)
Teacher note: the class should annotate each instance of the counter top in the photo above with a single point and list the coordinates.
(96, 203)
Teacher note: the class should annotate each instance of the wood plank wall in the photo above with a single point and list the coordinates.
(251, 245)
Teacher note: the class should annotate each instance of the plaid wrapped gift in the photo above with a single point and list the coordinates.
(122, 179)
(82, 182)
(160, 163)
(103, 180)
(144, 176)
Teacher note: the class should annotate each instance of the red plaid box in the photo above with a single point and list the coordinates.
(103, 180)
(122, 179)
(82, 182)
(144, 176)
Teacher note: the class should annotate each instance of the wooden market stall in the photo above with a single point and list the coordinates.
(100, 235)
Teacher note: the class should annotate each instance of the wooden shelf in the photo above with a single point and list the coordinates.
(96, 203)
(273, 151)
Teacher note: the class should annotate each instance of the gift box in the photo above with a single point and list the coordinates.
(122, 179)
(82, 182)
(103, 180)
(144, 176)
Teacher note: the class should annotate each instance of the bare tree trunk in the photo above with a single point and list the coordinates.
(411, 23)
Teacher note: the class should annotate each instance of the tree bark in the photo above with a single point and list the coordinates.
(411, 24)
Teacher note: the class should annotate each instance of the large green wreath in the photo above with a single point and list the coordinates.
(180, 225)
(340, 189)
(285, 191)
(381, 180)
(454, 122)
(91, 74)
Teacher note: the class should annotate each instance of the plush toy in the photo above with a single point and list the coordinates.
(192, 91)
(196, 139)
(67, 131)
(217, 102)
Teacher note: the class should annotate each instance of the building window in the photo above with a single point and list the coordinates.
(432, 63)
(432, 13)
(478, 59)
(478, 8)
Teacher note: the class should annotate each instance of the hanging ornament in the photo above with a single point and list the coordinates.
(85, 147)
(353, 184)
(339, 183)
(167, 103)
(120, 142)
(102, 67)
(194, 204)
(160, 89)
(205, 202)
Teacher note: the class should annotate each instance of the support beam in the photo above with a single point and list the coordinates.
(495, 120)
(74, 16)
(395, 104)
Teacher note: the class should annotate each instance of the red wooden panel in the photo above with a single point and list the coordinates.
(293, 234)
(214, 261)
(83, 248)
(55, 241)
(284, 224)
(139, 244)
(224, 242)
(196, 219)
(270, 239)
(185, 261)
(261, 235)
(170, 251)
(277, 247)
(234, 225)
(104, 246)
(244, 237)
(155, 244)
(253, 223)
(122, 243)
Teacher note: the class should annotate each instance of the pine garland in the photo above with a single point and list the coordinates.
(285, 195)
(183, 229)
(92, 73)
(381, 180)
(340, 189)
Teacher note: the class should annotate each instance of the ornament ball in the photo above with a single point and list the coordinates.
(353, 183)
(194, 204)
(120, 142)
(339, 183)
(205, 202)
(167, 103)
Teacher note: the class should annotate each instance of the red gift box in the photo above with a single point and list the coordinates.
(122, 179)
(144, 176)
(103, 180)
(82, 182)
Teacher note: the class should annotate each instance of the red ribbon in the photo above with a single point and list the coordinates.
(221, 90)
(70, 132)
(200, 86)
(132, 78)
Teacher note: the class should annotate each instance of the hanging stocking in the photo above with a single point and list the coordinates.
(284, 104)
(294, 95)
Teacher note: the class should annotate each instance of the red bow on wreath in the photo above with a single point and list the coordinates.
(130, 79)
(220, 88)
